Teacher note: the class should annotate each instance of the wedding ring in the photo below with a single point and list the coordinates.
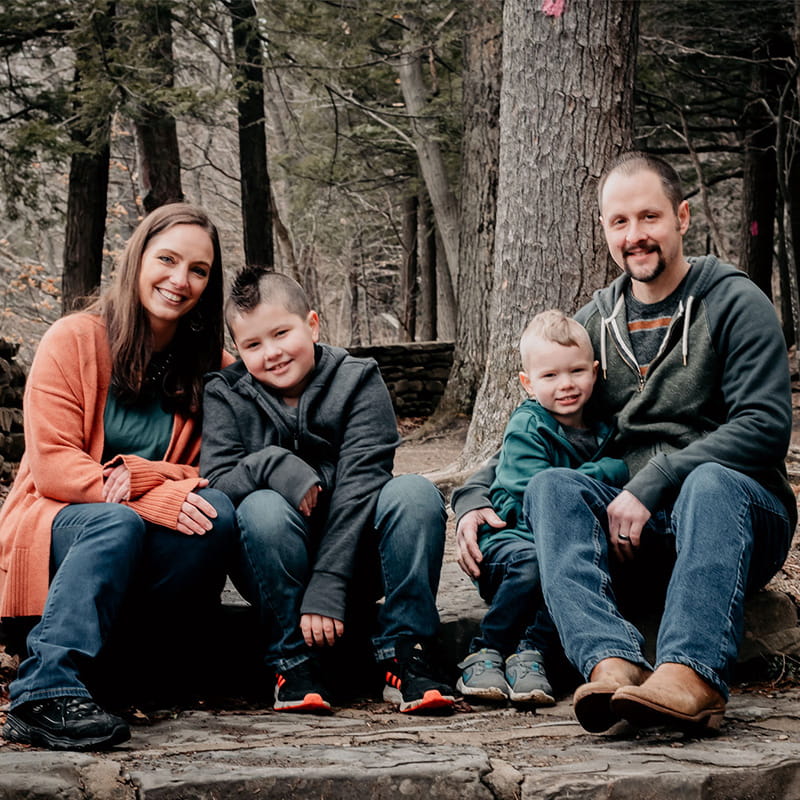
(623, 538)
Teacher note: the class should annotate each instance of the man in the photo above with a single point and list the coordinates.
(694, 368)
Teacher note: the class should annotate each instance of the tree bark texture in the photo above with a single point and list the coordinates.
(156, 131)
(426, 259)
(254, 177)
(480, 155)
(565, 110)
(409, 269)
(87, 191)
(431, 161)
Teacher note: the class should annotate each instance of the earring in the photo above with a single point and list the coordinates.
(196, 324)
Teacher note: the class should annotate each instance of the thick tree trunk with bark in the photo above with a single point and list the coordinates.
(156, 133)
(480, 155)
(254, 177)
(565, 111)
(85, 226)
(87, 191)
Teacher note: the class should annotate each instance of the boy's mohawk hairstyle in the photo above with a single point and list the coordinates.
(245, 293)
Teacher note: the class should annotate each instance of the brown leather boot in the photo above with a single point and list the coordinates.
(592, 701)
(674, 696)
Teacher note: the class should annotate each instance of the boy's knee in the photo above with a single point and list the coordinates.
(412, 494)
(265, 514)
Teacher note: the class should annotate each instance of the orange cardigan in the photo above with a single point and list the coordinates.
(65, 399)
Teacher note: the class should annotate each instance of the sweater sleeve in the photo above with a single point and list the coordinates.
(366, 458)
(227, 462)
(613, 471)
(754, 394)
(474, 494)
(62, 412)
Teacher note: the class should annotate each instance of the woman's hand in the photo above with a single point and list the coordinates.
(318, 630)
(117, 486)
(196, 513)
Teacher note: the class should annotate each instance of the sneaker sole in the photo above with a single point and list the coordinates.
(537, 697)
(310, 704)
(17, 731)
(482, 692)
(432, 702)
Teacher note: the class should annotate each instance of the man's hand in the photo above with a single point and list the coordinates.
(626, 519)
(469, 554)
(318, 630)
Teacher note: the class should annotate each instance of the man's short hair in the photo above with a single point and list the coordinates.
(555, 326)
(635, 161)
(255, 285)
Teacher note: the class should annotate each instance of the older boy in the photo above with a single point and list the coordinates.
(547, 430)
(301, 436)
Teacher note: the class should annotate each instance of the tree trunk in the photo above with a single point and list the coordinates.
(87, 191)
(480, 153)
(409, 269)
(156, 132)
(85, 225)
(431, 162)
(254, 178)
(565, 110)
(426, 246)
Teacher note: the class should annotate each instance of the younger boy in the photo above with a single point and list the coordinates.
(548, 430)
(301, 436)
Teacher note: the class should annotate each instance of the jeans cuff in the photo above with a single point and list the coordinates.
(49, 694)
(706, 673)
(633, 656)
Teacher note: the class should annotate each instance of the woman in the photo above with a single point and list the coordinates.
(108, 519)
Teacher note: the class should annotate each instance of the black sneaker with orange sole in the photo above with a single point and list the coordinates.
(411, 684)
(300, 689)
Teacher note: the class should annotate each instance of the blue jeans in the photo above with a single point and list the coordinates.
(278, 558)
(105, 561)
(517, 618)
(729, 533)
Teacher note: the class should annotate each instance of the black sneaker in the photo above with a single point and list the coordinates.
(65, 723)
(410, 684)
(300, 689)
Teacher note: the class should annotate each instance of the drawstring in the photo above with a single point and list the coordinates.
(685, 337)
(603, 336)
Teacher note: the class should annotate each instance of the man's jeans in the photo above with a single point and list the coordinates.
(278, 558)
(730, 535)
(105, 561)
(517, 619)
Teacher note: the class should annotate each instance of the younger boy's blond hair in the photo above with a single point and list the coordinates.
(554, 326)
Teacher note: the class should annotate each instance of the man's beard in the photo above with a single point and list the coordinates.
(661, 265)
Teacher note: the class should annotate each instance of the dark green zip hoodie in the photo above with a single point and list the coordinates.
(718, 390)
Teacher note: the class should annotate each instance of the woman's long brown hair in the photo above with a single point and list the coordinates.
(198, 342)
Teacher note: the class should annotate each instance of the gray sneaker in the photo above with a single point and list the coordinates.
(482, 676)
(527, 679)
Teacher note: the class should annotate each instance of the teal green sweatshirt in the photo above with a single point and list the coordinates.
(534, 441)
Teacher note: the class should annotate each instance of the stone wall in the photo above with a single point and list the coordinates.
(12, 386)
(416, 373)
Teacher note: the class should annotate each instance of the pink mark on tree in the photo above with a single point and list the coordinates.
(553, 8)
(754, 228)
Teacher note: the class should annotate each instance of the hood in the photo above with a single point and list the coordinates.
(704, 274)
